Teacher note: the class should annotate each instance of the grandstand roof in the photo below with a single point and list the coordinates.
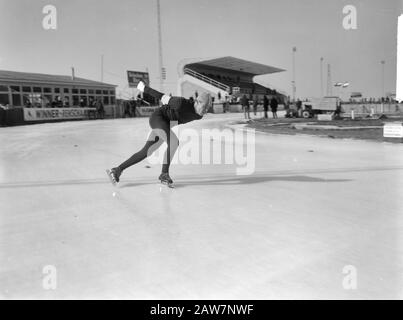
(49, 79)
(239, 65)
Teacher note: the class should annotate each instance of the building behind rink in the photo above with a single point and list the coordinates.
(67, 97)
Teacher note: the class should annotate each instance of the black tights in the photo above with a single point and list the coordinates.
(161, 132)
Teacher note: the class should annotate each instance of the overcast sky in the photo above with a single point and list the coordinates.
(264, 31)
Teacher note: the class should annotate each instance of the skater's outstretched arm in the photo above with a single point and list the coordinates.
(154, 93)
(184, 106)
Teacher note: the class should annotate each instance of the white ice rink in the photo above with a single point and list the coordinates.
(313, 206)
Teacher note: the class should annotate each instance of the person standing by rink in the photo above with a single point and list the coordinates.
(100, 109)
(245, 106)
(255, 104)
(274, 106)
(265, 106)
(174, 110)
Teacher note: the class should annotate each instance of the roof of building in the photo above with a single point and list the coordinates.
(49, 79)
(236, 64)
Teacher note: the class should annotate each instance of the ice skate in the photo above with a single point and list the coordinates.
(114, 175)
(165, 179)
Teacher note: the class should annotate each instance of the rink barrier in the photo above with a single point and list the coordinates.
(12, 117)
(51, 114)
(372, 108)
(20, 116)
(145, 111)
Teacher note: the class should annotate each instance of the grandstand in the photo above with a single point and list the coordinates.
(225, 76)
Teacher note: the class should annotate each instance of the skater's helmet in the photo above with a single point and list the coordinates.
(203, 103)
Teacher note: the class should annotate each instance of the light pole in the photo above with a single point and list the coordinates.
(399, 66)
(160, 62)
(383, 78)
(294, 89)
(321, 77)
(102, 68)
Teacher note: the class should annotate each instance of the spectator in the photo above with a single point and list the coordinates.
(100, 109)
(127, 109)
(255, 103)
(133, 105)
(338, 111)
(219, 96)
(226, 105)
(59, 103)
(92, 111)
(299, 108)
(245, 105)
(274, 106)
(92, 103)
(265, 106)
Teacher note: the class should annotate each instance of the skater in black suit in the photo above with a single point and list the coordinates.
(177, 110)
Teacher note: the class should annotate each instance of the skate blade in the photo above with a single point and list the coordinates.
(169, 185)
(109, 173)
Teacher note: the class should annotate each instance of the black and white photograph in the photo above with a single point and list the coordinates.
(200, 150)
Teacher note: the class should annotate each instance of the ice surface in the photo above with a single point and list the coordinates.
(285, 231)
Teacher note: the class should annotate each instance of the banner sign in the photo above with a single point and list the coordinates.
(146, 111)
(134, 77)
(393, 130)
(41, 114)
(356, 95)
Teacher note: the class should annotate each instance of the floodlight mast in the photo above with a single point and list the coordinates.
(160, 61)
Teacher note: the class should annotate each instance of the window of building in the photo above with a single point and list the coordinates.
(91, 91)
(112, 92)
(4, 99)
(47, 90)
(47, 101)
(15, 88)
(98, 92)
(36, 100)
(66, 90)
(26, 100)
(106, 100)
(26, 89)
(75, 91)
(91, 101)
(38, 89)
(105, 91)
(66, 102)
(16, 100)
(3, 89)
(83, 101)
(57, 90)
(76, 101)
(58, 102)
(112, 100)
(83, 91)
